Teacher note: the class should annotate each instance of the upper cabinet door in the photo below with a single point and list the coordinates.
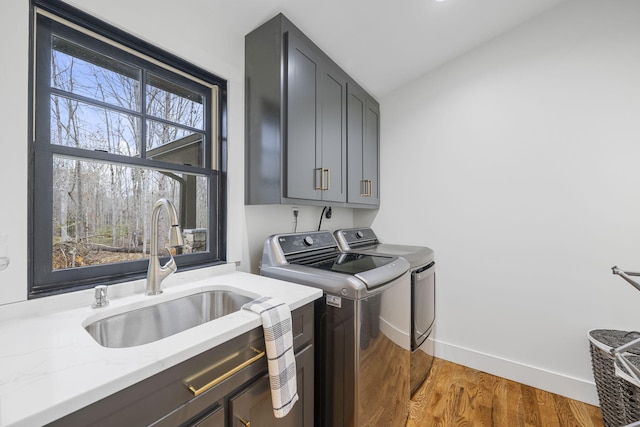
(302, 122)
(333, 163)
(363, 144)
(371, 152)
(316, 126)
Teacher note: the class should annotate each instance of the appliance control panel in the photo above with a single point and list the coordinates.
(358, 236)
(300, 242)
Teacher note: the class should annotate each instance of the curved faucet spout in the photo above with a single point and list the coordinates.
(156, 272)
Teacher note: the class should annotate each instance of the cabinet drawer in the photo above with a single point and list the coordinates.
(213, 419)
(252, 406)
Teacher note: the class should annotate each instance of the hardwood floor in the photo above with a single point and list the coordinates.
(455, 395)
(377, 408)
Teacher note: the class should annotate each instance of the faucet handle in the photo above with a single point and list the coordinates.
(100, 294)
(170, 266)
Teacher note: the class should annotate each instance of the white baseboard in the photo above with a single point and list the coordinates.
(399, 337)
(573, 388)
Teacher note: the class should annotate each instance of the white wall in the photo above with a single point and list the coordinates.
(14, 39)
(518, 163)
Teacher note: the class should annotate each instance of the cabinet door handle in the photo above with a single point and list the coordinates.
(246, 423)
(322, 171)
(215, 382)
(365, 188)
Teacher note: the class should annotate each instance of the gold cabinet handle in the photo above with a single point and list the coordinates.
(215, 382)
(322, 186)
(246, 423)
(365, 188)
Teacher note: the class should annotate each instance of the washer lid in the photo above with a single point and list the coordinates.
(364, 240)
(349, 263)
(416, 255)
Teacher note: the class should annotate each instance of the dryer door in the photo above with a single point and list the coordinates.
(423, 303)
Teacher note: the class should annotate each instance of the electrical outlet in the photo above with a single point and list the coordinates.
(328, 214)
(295, 211)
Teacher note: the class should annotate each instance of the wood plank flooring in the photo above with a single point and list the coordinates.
(455, 395)
(377, 408)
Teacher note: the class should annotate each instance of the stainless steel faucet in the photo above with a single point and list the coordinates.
(100, 294)
(157, 273)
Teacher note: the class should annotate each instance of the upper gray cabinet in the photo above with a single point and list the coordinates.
(297, 120)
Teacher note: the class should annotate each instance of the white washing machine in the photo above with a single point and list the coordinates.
(423, 288)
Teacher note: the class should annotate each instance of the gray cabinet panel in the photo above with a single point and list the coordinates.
(253, 404)
(263, 115)
(316, 128)
(355, 135)
(363, 136)
(302, 121)
(214, 419)
(370, 148)
(333, 136)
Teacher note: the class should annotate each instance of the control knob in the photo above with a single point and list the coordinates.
(359, 234)
(308, 241)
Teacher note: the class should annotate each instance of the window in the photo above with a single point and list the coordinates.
(118, 124)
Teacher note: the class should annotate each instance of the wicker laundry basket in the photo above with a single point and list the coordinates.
(611, 390)
(629, 389)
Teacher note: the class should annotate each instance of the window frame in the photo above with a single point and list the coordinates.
(54, 17)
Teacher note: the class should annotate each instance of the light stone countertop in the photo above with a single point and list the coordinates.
(50, 366)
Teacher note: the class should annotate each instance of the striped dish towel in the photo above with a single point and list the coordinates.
(276, 322)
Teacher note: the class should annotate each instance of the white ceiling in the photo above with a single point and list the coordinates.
(386, 43)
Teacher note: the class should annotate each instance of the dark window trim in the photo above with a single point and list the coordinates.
(121, 272)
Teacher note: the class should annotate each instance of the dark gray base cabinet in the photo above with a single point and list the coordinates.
(253, 404)
(240, 397)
